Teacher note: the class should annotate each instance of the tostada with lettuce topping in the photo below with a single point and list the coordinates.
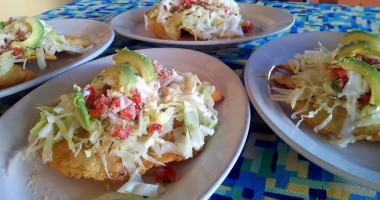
(203, 19)
(133, 116)
(336, 92)
(25, 39)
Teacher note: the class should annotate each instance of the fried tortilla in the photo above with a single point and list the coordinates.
(334, 127)
(16, 75)
(174, 20)
(65, 162)
(127, 120)
(72, 40)
(77, 41)
(337, 123)
(159, 30)
(339, 114)
(335, 91)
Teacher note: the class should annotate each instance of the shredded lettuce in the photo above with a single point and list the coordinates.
(40, 125)
(135, 185)
(119, 196)
(41, 58)
(58, 122)
(47, 153)
(6, 62)
(192, 125)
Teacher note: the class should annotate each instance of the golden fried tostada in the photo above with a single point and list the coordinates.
(133, 116)
(25, 39)
(336, 92)
(16, 75)
(203, 19)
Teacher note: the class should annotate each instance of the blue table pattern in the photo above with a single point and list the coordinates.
(267, 167)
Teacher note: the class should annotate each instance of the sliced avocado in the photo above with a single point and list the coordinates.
(110, 73)
(122, 76)
(360, 36)
(35, 36)
(370, 74)
(2, 24)
(81, 111)
(362, 48)
(134, 59)
(126, 79)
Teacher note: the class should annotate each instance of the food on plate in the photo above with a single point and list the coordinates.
(25, 39)
(17, 74)
(133, 116)
(203, 19)
(336, 92)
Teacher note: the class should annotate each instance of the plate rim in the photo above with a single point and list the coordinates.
(360, 180)
(243, 135)
(201, 43)
(40, 79)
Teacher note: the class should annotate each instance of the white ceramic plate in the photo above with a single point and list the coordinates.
(198, 177)
(272, 21)
(99, 33)
(357, 162)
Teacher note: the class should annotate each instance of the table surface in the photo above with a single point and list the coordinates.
(257, 173)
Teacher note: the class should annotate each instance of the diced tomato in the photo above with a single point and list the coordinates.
(158, 68)
(367, 60)
(133, 92)
(164, 74)
(338, 72)
(341, 72)
(345, 80)
(226, 8)
(174, 8)
(129, 112)
(101, 113)
(134, 109)
(333, 74)
(187, 3)
(89, 96)
(370, 61)
(359, 56)
(17, 51)
(136, 98)
(165, 174)
(137, 109)
(155, 127)
(94, 113)
(246, 26)
(115, 103)
(121, 132)
(364, 98)
(102, 102)
(100, 106)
